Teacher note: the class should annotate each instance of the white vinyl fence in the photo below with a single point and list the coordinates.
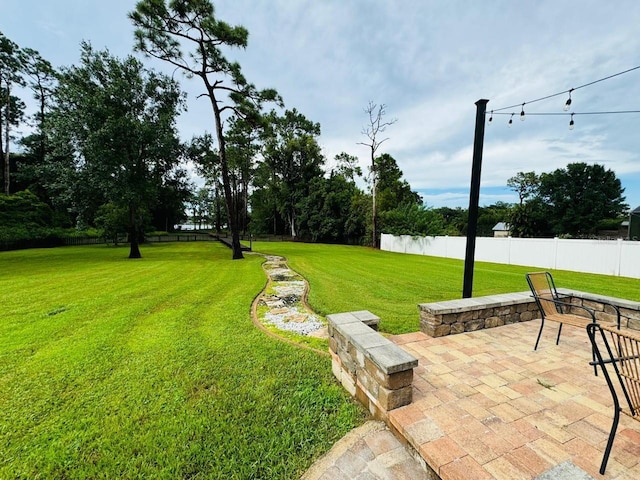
(608, 257)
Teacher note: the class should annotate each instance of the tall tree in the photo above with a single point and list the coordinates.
(11, 107)
(162, 28)
(207, 162)
(173, 191)
(41, 79)
(531, 219)
(392, 189)
(327, 212)
(292, 159)
(525, 184)
(581, 196)
(347, 166)
(242, 148)
(373, 130)
(117, 120)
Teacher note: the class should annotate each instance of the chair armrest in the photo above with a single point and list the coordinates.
(616, 308)
(590, 311)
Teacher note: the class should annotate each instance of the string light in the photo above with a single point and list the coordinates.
(547, 114)
(567, 104)
(568, 91)
(571, 122)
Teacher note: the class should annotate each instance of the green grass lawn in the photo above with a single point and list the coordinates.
(151, 368)
(391, 285)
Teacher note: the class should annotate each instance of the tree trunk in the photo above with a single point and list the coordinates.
(134, 251)
(41, 142)
(226, 183)
(275, 220)
(218, 212)
(374, 241)
(245, 206)
(292, 222)
(7, 164)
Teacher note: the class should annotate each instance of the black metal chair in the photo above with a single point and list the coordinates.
(553, 308)
(623, 352)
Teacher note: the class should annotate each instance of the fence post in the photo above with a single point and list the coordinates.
(619, 262)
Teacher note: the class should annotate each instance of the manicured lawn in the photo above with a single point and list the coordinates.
(391, 285)
(151, 368)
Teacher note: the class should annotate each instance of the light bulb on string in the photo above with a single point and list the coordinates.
(571, 124)
(511, 120)
(567, 104)
(491, 117)
(522, 113)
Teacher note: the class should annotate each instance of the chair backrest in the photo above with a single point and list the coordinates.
(544, 291)
(626, 345)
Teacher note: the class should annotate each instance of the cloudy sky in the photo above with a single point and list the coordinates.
(428, 61)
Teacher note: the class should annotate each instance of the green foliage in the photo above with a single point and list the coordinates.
(455, 220)
(292, 161)
(207, 162)
(113, 369)
(357, 225)
(24, 209)
(169, 206)
(119, 120)
(163, 29)
(20, 67)
(326, 211)
(112, 221)
(531, 219)
(525, 184)
(411, 219)
(25, 221)
(392, 191)
(609, 224)
(570, 201)
(581, 195)
(347, 166)
(489, 216)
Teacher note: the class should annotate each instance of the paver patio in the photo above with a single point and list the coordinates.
(486, 405)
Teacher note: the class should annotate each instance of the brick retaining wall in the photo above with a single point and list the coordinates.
(468, 314)
(370, 367)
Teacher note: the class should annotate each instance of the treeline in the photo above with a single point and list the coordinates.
(576, 201)
(104, 153)
(281, 186)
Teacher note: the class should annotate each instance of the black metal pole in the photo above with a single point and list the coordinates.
(474, 197)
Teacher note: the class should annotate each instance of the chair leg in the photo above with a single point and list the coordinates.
(591, 330)
(539, 333)
(612, 436)
(559, 332)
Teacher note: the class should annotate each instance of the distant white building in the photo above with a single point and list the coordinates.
(501, 229)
